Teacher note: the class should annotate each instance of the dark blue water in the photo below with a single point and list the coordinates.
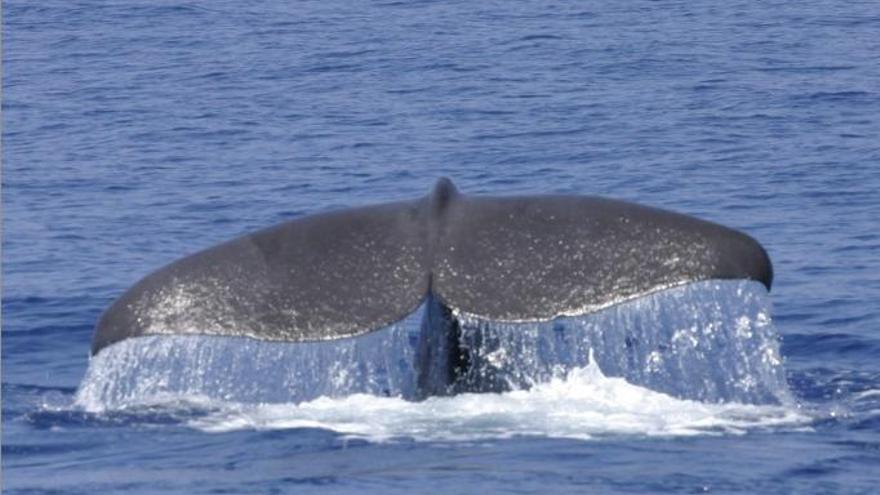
(136, 132)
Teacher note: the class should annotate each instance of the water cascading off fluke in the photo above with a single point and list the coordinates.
(711, 341)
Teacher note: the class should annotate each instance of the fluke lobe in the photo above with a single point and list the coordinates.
(346, 273)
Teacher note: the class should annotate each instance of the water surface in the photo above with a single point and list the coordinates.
(136, 132)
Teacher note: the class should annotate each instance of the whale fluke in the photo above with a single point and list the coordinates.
(350, 272)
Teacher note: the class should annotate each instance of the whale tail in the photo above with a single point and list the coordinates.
(346, 273)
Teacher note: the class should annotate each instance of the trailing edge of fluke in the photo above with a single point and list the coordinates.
(350, 272)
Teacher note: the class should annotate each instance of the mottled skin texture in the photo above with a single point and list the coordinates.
(350, 272)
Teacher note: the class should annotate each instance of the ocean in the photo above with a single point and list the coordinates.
(138, 132)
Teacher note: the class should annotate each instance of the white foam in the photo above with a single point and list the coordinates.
(583, 404)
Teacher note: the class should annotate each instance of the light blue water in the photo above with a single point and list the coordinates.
(134, 133)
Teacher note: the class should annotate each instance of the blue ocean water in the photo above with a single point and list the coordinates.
(136, 132)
